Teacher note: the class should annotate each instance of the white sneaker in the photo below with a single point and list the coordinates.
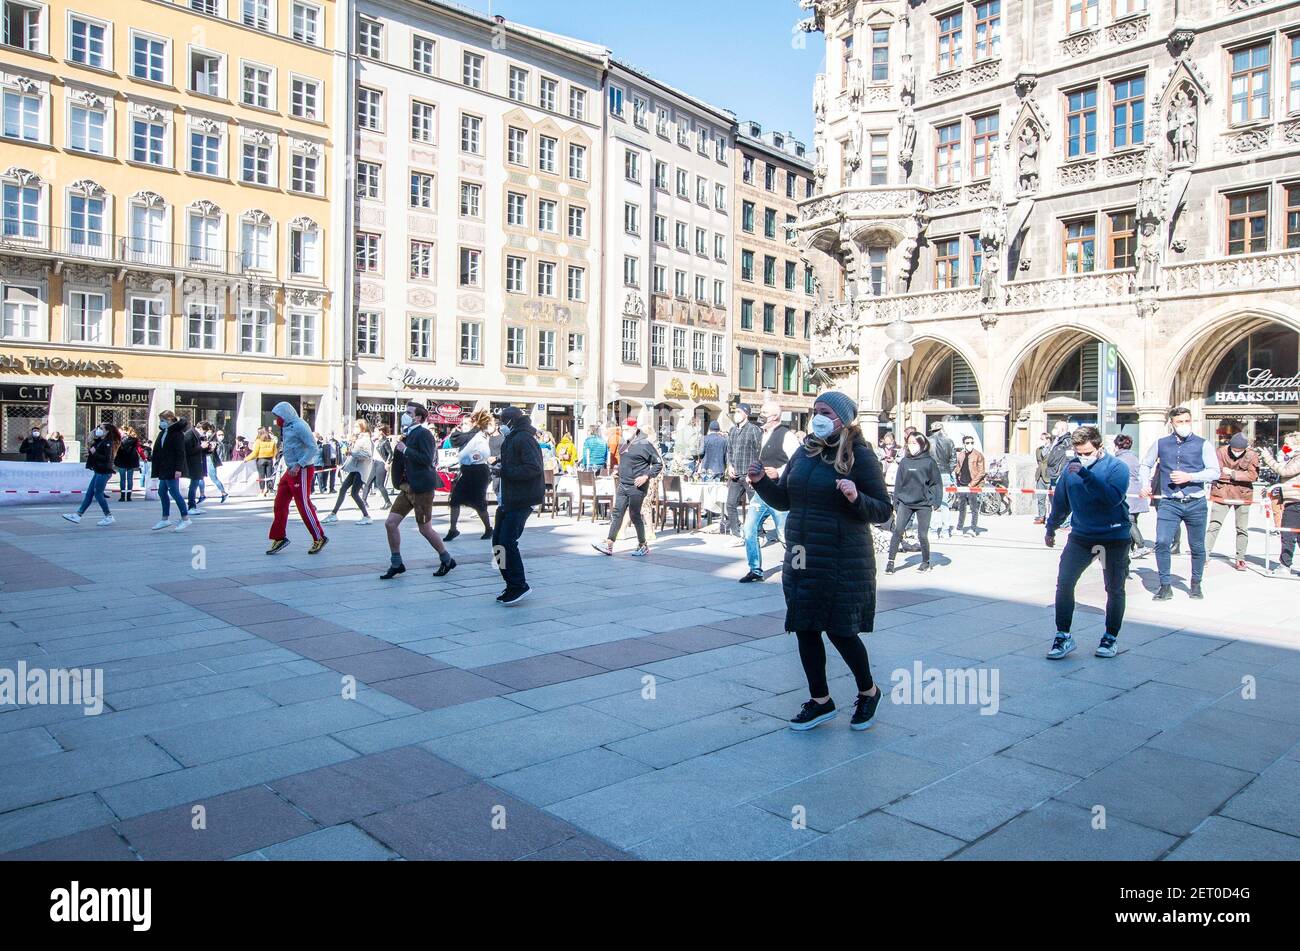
(72, 517)
(364, 521)
(330, 519)
(161, 525)
(106, 520)
(183, 524)
(196, 510)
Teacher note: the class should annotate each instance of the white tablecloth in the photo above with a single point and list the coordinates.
(713, 495)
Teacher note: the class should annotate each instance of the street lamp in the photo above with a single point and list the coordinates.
(577, 369)
(898, 350)
(396, 376)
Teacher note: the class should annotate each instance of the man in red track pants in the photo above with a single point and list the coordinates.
(298, 446)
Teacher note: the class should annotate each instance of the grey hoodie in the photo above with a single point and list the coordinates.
(297, 443)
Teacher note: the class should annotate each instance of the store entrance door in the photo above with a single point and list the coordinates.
(559, 420)
(1260, 430)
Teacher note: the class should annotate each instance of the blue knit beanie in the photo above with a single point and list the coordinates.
(844, 408)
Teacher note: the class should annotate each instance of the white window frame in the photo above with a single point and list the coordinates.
(151, 38)
(315, 37)
(303, 333)
(222, 78)
(204, 309)
(261, 321)
(256, 101)
(308, 236)
(39, 318)
(299, 86)
(106, 63)
(163, 326)
(104, 329)
(424, 54)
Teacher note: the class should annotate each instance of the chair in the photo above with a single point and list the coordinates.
(552, 495)
(684, 513)
(587, 480)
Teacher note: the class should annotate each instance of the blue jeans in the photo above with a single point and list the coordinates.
(125, 479)
(1193, 513)
(169, 489)
(95, 493)
(212, 474)
(197, 488)
(505, 542)
(757, 513)
(1076, 556)
(943, 516)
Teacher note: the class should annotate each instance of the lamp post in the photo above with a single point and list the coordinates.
(899, 349)
(395, 376)
(577, 370)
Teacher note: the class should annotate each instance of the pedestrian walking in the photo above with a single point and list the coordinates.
(99, 460)
(1288, 472)
(415, 457)
(300, 455)
(211, 443)
(1041, 481)
(743, 442)
(168, 466)
(34, 447)
(379, 462)
(833, 491)
(639, 461)
(263, 455)
(918, 492)
(1091, 490)
(566, 454)
(1187, 465)
(971, 470)
(522, 487)
(777, 447)
(196, 469)
(595, 451)
(356, 471)
(471, 485)
(1233, 492)
(945, 456)
(713, 454)
(127, 460)
(1137, 505)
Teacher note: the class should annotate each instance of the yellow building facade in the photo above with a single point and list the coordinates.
(168, 223)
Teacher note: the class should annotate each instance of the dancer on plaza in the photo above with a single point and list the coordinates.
(971, 470)
(415, 458)
(776, 448)
(127, 461)
(1137, 504)
(471, 485)
(1187, 465)
(834, 491)
(638, 462)
(379, 460)
(918, 492)
(1233, 492)
(1092, 490)
(196, 468)
(522, 487)
(1288, 472)
(167, 463)
(99, 460)
(356, 470)
(743, 441)
(945, 455)
(211, 442)
(298, 449)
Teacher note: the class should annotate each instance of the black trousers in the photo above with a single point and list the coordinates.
(1136, 540)
(1075, 558)
(265, 474)
(630, 501)
(351, 482)
(812, 654)
(735, 489)
(902, 517)
(505, 546)
(1290, 519)
(378, 480)
(968, 502)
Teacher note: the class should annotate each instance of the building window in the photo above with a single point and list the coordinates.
(1293, 75)
(422, 53)
(746, 265)
(205, 73)
(423, 122)
(516, 347)
(1128, 112)
(975, 258)
(877, 270)
(470, 204)
(304, 250)
(256, 85)
(201, 326)
(304, 98)
(370, 109)
(88, 42)
(769, 270)
(545, 278)
(421, 260)
(632, 165)
(720, 247)
(769, 371)
(22, 26)
(21, 210)
(149, 58)
(546, 154)
(577, 283)
(988, 30)
(950, 41)
(631, 218)
(86, 218)
(518, 84)
(422, 190)
(879, 158)
(578, 162)
(86, 132)
(1081, 15)
(516, 210)
(769, 318)
(880, 56)
(546, 209)
(471, 270)
(255, 163)
(370, 38)
(658, 345)
(1081, 122)
(789, 275)
(1251, 78)
(305, 23)
(548, 93)
(205, 152)
(748, 370)
(577, 103)
(516, 146)
(679, 284)
(1123, 239)
(769, 223)
(746, 315)
(947, 263)
(421, 339)
(546, 350)
(631, 341)
(747, 216)
(304, 169)
(22, 312)
(698, 341)
(846, 57)
(631, 271)
(1292, 193)
(700, 282)
(984, 142)
(1248, 222)
(471, 134)
(679, 348)
(769, 177)
(254, 330)
(1080, 247)
(304, 340)
(471, 341)
(368, 176)
(947, 154)
(471, 72)
(716, 354)
(255, 244)
(616, 102)
(515, 275)
(680, 233)
(577, 222)
(86, 323)
(660, 279)
(367, 252)
(146, 316)
(148, 140)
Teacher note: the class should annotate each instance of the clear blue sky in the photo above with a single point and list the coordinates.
(737, 54)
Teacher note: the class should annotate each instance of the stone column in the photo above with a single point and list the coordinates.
(870, 423)
(248, 416)
(1152, 424)
(63, 414)
(995, 431)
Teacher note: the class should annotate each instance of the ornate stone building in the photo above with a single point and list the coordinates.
(1021, 181)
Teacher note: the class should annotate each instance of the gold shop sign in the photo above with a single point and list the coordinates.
(677, 391)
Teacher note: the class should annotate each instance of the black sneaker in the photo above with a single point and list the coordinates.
(485, 535)
(514, 597)
(280, 544)
(453, 534)
(502, 595)
(864, 710)
(813, 714)
(392, 573)
(444, 567)
(1166, 593)
(751, 578)
(1196, 591)
(889, 568)
(925, 566)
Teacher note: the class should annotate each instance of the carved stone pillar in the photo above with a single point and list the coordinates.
(995, 431)
(1152, 425)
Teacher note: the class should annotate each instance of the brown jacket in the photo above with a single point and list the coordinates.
(976, 466)
(1235, 485)
(1288, 472)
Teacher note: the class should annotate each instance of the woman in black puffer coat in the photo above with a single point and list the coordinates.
(918, 491)
(834, 491)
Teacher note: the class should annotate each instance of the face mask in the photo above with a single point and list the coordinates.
(279, 421)
(1087, 461)
(1183, 430)
(822, 426)
(99, 432)
(913, 449)
(35, 433)
(164, 423)
(407, 420)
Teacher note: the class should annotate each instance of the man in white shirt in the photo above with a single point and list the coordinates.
(778, 445)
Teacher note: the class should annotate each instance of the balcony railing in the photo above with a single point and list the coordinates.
(87, 245)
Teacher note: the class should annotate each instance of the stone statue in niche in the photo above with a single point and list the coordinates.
(1182, 127)
(907, 80)
(1027, 158)
(819, 97)
(819, 167)
(993, 237)
(1152, 210)
(907, 120)
(853, 154)
(855, 87)
(907, 251)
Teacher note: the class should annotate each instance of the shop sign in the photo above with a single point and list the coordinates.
(450, 411)
(26, 363)
(25, 393)
(677, 391)
(1261, 386)
(410, 377)
(104, 396)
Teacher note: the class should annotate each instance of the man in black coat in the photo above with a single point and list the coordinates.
(522, 487)
(168, 462)
(744, 439)
(34, 447)
(414, 458)
(638, 462)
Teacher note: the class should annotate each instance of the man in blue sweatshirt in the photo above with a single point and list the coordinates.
(1091, 492)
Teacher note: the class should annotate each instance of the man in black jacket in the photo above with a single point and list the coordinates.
(743, 441)
(34, 447)
(169, 466)
(414, 457)
(638, 463)
(944, 453)
(521, 488)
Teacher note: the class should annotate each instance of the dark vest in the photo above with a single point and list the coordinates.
(773, 453)
(1187, 455)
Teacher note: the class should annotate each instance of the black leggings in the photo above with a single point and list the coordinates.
(353, 482)
(628, 500)
(265, 474)
(902, 516)
(812, 654)
(482, 514)
(1136, 541)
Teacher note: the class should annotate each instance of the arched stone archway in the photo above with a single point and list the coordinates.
(940, 381)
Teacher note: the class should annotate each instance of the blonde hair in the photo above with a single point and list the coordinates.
(850, 436)
(363, 426)
(481, 419)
